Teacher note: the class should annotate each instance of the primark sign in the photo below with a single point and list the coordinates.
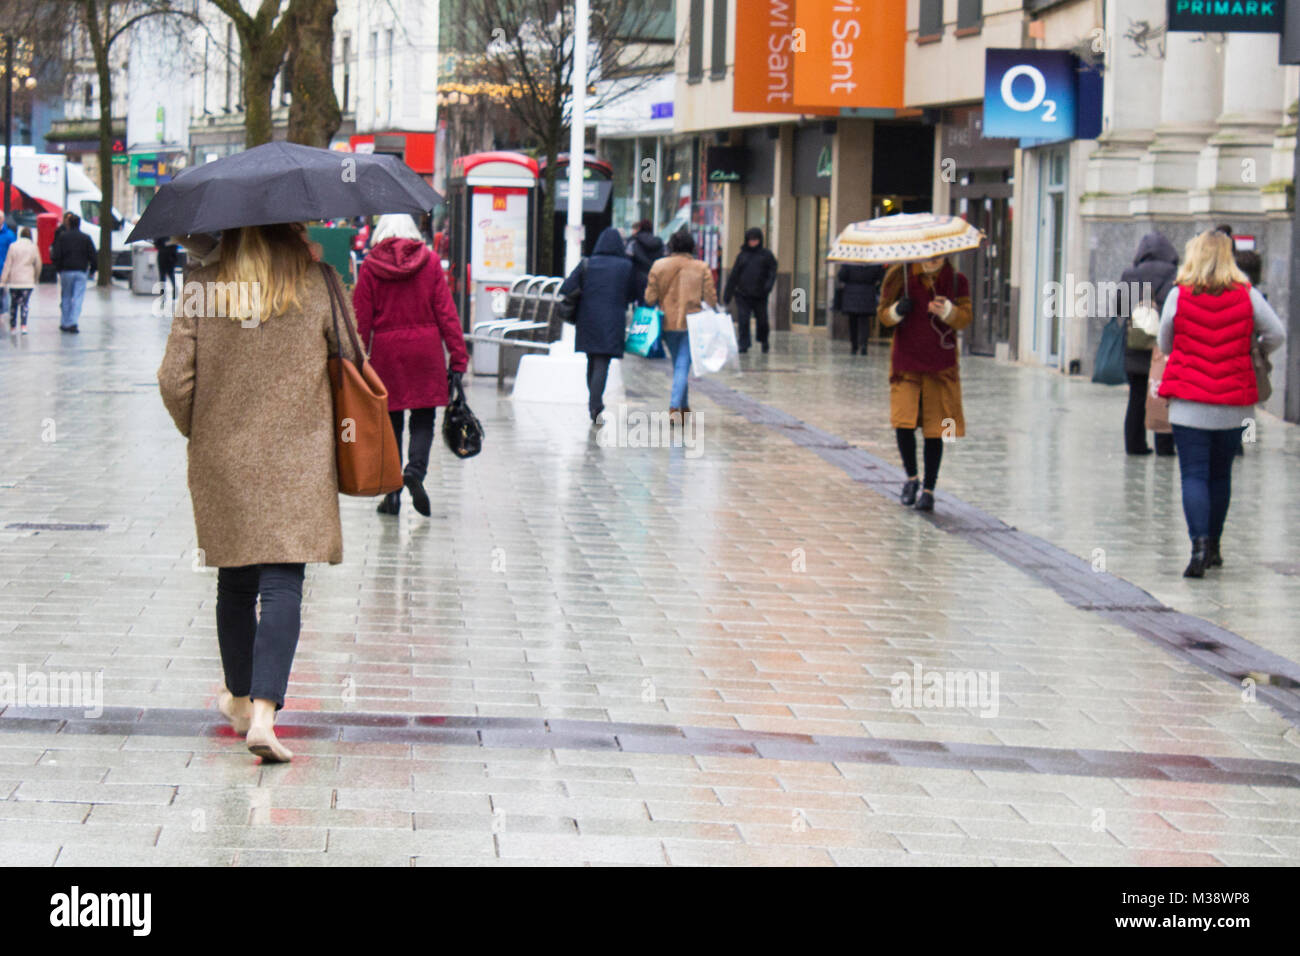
(1226, 16)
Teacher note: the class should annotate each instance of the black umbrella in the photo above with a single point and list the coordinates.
(283, 182)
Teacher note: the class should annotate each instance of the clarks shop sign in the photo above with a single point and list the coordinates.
(1226, 16)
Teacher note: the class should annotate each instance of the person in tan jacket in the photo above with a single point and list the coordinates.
(680, 284)
(22, 272)
(247, 383)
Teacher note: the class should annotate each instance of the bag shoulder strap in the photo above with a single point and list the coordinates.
(335, 291)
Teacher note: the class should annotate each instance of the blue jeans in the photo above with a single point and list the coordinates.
(257, 652)
(1205, 465)
(72, 289)
(679, 347)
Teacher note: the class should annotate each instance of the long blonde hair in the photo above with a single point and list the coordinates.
(1209, 265)
(270, 260)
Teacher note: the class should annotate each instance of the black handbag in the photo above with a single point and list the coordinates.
(567, 308)
(461, 430)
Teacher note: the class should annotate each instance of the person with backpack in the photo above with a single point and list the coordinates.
(1146, 284)
(409, 324)
(605, 285)
(646, 249)
(750, 282)
(1212, 319)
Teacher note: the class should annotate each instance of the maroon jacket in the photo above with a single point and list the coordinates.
(405, 315)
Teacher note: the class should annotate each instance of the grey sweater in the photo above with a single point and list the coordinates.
(1271, 334)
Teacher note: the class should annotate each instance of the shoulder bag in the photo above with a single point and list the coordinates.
(567, 308)
(369, 462)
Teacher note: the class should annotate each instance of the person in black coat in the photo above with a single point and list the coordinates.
(607, 284)
(645, 248)
(857, 292)
(750, 282)
(167, 257)
(74, 256)
(1154, 267)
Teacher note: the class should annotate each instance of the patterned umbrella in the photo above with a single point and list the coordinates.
(906, 237)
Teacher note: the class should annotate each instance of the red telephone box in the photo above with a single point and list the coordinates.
(490, 200)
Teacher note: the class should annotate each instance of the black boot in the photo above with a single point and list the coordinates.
(1196, 567)
(1213, 559)
(925, 502)
(910, 488)
(391, 504)
(419, 497)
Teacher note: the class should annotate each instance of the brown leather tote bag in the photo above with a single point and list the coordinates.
(369, 462)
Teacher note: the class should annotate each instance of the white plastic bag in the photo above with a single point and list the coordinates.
(713, 342)
(1146, 318)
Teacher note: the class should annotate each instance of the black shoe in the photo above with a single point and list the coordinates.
(925, 502)
(765, 348)
(391, 504)
(910, 488)
(1213, 559)
(744, 349)
(69, 328)
(419, 497)
(595, 416)
(1140, 451)
(1196, 567)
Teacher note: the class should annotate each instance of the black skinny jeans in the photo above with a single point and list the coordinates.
(257, 654)
(597, 376)
(859, 329)
(933, 456)
(417, 449)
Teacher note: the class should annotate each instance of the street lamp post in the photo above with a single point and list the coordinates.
(577, 137)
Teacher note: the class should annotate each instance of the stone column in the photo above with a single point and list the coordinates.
(782, 240)
(851, 155)
(1191, 91)
(1236, 162)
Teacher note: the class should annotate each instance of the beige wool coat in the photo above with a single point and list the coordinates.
(22, 266)
(679, 284)
(256, 406)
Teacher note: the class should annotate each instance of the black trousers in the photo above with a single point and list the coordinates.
(745, 307)
(597, 375)
(1135, 417)
(417, 449)
(859, 330)
(18, 300)
(257, 654)
(933, 456)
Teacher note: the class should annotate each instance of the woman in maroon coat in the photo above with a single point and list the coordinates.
(406, 316)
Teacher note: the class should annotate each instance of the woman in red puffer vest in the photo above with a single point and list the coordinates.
(1210, 322)
(406, 318)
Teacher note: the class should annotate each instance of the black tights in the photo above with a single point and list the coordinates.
(933, 455)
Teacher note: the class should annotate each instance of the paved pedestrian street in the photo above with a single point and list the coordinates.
(740, 652)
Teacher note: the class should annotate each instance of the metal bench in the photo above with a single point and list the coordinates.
(530, 323)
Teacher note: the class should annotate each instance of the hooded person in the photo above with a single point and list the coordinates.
(750, 282)
(408, 323)
(926, 303)
(1147, 282)
(606, 284)
(645, 248)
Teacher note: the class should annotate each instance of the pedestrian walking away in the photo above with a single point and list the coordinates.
(646, 249)
(7, 239)
(926, 303)
(857, 294)
(408, 323)
(74, 257)
(1145, 286)
(750, 282)
(680, 284)
(168, 253)
(1211, 323)
(263, 476)
(21, 273)
(606, 284)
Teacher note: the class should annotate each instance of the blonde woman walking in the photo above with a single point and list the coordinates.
(1211, 320)
(250, 390)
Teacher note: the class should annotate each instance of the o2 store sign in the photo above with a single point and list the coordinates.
(1044, 95)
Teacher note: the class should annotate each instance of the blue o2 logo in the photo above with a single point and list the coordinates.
(1029, 94)
(1039, 97)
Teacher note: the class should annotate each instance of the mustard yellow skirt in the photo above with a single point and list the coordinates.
(930, 400)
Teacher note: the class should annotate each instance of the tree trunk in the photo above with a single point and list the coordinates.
(545, 243)
(98, 33)
(262, 57)
(314, 115)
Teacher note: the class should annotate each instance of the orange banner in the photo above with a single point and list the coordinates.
(767, 50)
(854, 52)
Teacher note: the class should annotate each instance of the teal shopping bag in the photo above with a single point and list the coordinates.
(645, 330)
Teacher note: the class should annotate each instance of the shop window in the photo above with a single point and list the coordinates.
(970, 17)
(930, 26)
(695, 50)
(719, 69)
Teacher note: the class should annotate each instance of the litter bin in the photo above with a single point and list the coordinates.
(144, 269)
(336, 249)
